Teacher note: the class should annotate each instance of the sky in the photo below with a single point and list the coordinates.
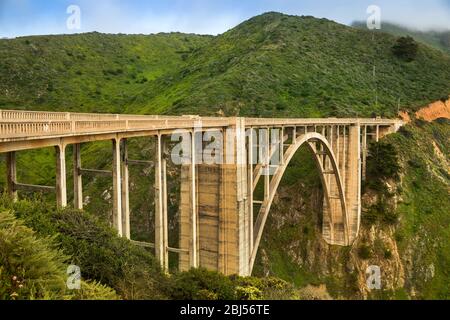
(38, 17)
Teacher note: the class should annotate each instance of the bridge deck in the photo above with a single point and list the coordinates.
(18, 125)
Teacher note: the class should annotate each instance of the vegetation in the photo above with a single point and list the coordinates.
(35, 263)
(94, 247)
(406, 49)
(270, 65)
(33, 268)
(382, 164)
(424, 220)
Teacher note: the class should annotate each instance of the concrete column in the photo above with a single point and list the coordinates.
(161, 244)
(267, 165)
(364, 152)
(330, 138)
(165, 199)
(117, 187)
(11, 175)
(338, 146)
(250, 187)
(77, 178)
(185, 218)
(194, 261)
(61, 182)
(353, 180)
(344, 157)
(282, 146)
(242, 198)
(234, 224)
(125, 190)
(322, 149)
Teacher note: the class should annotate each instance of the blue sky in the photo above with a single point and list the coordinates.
(31, 17)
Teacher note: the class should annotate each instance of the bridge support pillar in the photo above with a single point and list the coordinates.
(364, 148)
(220, 193)
(117, 187)
(189, 241)
(61, 182)
(161, 224)
(334, 223)
(11, 175)
(353, 181)
(77, 178)
(125, 190)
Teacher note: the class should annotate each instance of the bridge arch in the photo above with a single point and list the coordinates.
(323, 154)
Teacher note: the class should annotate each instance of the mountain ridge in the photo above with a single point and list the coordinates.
(269, 65)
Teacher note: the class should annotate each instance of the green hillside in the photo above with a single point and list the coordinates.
(301, 66)
(88, 72)
(437, 39)
(272, 64)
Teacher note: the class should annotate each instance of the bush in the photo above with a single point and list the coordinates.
(248, 293)
(380, 212)
(96, 249)
(406, 48)
(364, 252)
(201, 284)
(382, 165)
(131, 271)
(33, 268)
(387, 254)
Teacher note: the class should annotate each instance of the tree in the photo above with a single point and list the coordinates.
(406, 48)
(382, 163)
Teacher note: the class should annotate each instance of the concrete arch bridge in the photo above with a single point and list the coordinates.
(221, 220)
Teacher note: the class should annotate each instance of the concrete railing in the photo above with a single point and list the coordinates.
(32, 124)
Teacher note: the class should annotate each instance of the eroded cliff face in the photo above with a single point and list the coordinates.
(435, 110)
(308, 260)
(408, 243)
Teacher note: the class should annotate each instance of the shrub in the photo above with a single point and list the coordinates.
(96, 249)
(380, 212)
(248, 293)
(387, 254)
(201, 284)
(406, 48)
(364, 252)
(33, 268)
(382, 164)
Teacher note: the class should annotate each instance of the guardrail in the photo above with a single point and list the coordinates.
(32, 124)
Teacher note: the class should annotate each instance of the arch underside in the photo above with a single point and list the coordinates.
(336, 220)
